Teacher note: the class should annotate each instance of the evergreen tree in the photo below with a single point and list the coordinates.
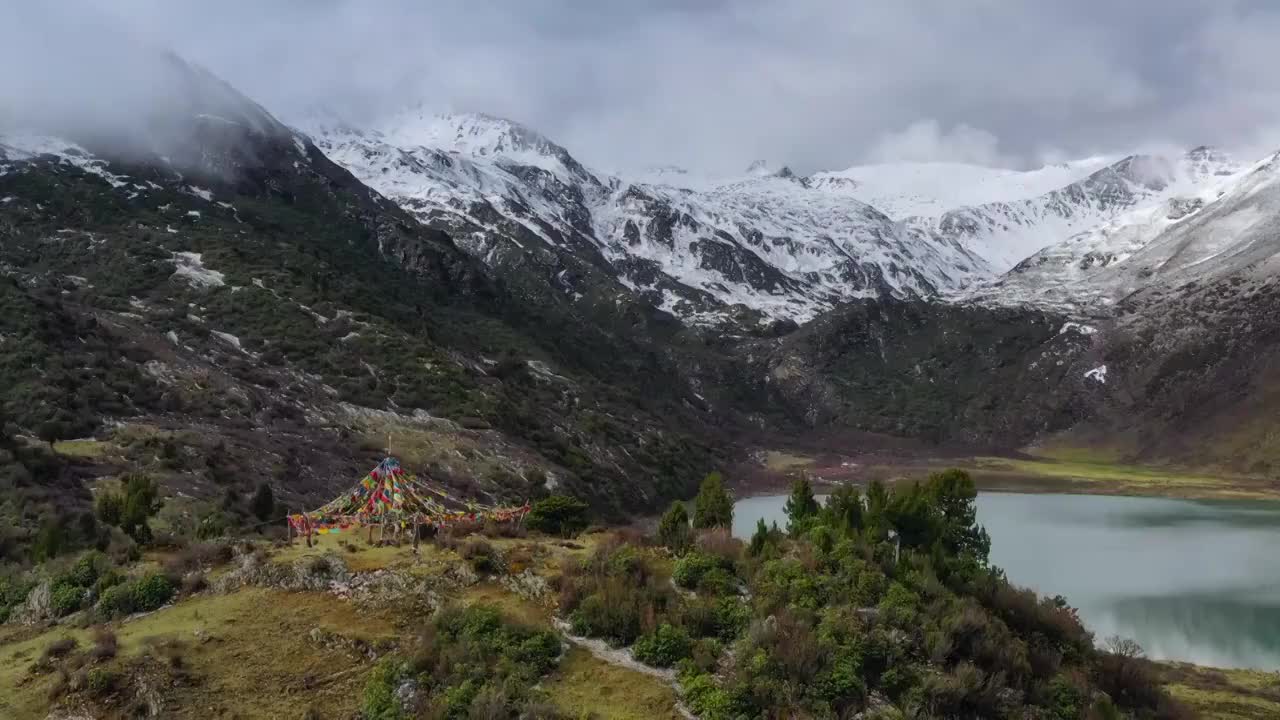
(801, 508)
(673, 529)
(263, 503)
(953, 493)
(875, 519)
(141, 501)
(714, 506)
(759, 539)
(843, 510)
(558, 515)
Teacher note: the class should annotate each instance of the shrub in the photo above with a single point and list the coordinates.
(147, 593)
(199, 556)
(899, 605)
(469, 661)
(65, 599)
(86, 570)
(663, 647)
(673, 528)
(105, 644)
(152, 592)
(263, 504)
(558, 515)
(59, 648)
(721, 545)
(379, 701)
(707, 573)
(100, 681)
(481, 555)
(705, 698)
(117, 600)
(193, 583)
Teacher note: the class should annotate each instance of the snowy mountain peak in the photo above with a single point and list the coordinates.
(763, 168)
(468, 133)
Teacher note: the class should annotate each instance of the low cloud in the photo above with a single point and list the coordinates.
(711, 85)
(926, 141)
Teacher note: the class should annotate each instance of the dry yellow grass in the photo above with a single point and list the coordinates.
(1224, 694)
(238, 645)
(584, 685)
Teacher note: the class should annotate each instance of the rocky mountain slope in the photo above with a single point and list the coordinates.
(238, 308)
(1208, 231)
(1010, 231)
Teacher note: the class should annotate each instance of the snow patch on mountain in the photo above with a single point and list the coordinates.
(17, 148)
(903, 190)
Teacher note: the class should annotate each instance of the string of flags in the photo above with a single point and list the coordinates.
(388, 495)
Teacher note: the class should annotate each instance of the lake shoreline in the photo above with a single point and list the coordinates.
(1022, 474)
(1144, 568)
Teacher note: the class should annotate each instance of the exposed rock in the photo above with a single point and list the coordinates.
(36, 608)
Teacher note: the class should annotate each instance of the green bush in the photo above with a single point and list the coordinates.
(899, 605)
(100, 680)
(144, 594)
(117, 600)
(707, 573)
(379, 700)
(65, 599)
(673, 530)
(469, 663)
(109, 508)
(663, 647)
(85, 572)
(558, 515)
(705, 698)
(152, 592)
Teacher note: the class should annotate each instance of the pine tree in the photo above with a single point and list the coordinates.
(714, 506)
(759, 539)
(801, 507)
(843, 510)
(875, 519)
(673, 529)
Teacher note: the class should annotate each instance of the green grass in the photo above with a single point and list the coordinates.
(585, 685)
(256, 638)
(1062, 475)
(83, 448)
(1224, 694)
(784, 461)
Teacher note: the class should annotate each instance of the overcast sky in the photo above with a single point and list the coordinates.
(713, 84)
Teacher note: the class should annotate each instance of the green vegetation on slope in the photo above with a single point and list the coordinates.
(846, 616)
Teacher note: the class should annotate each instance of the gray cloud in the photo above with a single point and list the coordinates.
(716, 84)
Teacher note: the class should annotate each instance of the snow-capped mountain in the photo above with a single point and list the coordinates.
(930, 189)
(1226, 226)
(768, 240)
(1210, 208)
(1007, 232)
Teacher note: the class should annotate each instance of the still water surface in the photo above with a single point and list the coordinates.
(1189, 580)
